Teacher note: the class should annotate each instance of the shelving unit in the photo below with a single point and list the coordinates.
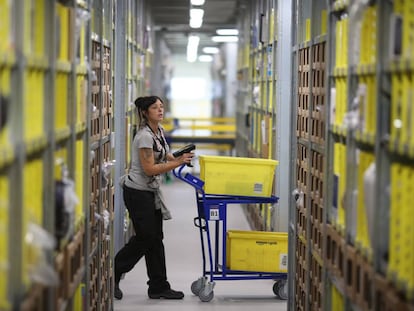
(350, 170)
(57, 142)
(333, 106)
(351, 65)
(99, 285)
(38, 148)
(261, 130)
(307, 222)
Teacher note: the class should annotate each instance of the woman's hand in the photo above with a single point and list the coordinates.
(186, 158)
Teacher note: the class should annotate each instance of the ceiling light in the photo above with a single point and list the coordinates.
(205, 58)
(210, 50)
(227, 32)
(196, 13)
(224, 38)
(197, 2)
(195, 23)
(196, 18)
(192, 47)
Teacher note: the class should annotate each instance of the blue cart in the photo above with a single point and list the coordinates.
(212, 208)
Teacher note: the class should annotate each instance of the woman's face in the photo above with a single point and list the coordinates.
(155, 112)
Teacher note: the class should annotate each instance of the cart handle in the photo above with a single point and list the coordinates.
(199, 224)
(189, 179)
(179, 173)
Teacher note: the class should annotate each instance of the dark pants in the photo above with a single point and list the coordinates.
(147, 241)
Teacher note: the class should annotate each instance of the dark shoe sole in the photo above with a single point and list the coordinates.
(166, 295)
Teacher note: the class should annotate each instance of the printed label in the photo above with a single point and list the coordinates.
(283, 261)
(214, 214)
(258, 188)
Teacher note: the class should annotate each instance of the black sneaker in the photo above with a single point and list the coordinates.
(117, 292)
(167, 294)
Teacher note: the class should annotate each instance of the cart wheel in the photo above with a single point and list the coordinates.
(198, 285)
(280, 289)
(276, 288)
(206, 294)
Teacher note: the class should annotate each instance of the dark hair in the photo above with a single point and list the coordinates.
(142, 103)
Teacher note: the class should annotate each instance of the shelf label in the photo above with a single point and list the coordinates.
(214, 214)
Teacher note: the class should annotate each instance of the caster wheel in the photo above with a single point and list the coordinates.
(198, 285)
(276, 288)
(280, 289)
(206, 295)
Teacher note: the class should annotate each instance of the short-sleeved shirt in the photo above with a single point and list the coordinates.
(145, 138)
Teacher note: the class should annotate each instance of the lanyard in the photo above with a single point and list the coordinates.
(159, 143)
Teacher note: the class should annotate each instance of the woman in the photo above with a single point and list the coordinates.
(142, 197)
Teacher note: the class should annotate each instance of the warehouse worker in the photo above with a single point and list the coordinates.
(143, 199)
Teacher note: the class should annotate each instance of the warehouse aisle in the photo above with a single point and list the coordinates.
(184, 265)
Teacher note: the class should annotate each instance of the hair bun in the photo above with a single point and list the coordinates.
(142, 103)
(138, 102)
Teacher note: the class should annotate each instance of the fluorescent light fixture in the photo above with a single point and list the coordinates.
(196, 13)
(195, 23)
(192, 47)
(210, 50)
(224, 38)
(196, 18)
(205, 58)
(197, 2)
(227, 32)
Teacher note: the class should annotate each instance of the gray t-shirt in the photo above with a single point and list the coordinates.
(137, 178)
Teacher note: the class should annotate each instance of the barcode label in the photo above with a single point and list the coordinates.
(283, 261)
(258, 188)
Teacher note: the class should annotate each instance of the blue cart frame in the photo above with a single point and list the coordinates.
(213, 208)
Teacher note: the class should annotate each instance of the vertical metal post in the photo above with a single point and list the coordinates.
(329, 151)
(86, 137)
(49, 113)
(49, 130)
(292, 303)
(120, 127)
(15, 286)
(283, 114)
(383, 161)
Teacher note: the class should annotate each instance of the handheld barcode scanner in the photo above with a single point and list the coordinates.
(185, 149)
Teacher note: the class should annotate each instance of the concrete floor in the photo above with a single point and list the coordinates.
(184, 265)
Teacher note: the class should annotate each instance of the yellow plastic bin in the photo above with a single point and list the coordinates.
(260, 251)
(237, 175)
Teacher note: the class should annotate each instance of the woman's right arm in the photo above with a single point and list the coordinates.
(151, 168)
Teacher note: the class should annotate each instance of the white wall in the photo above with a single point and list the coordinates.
(231, 79)
(191, 98)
